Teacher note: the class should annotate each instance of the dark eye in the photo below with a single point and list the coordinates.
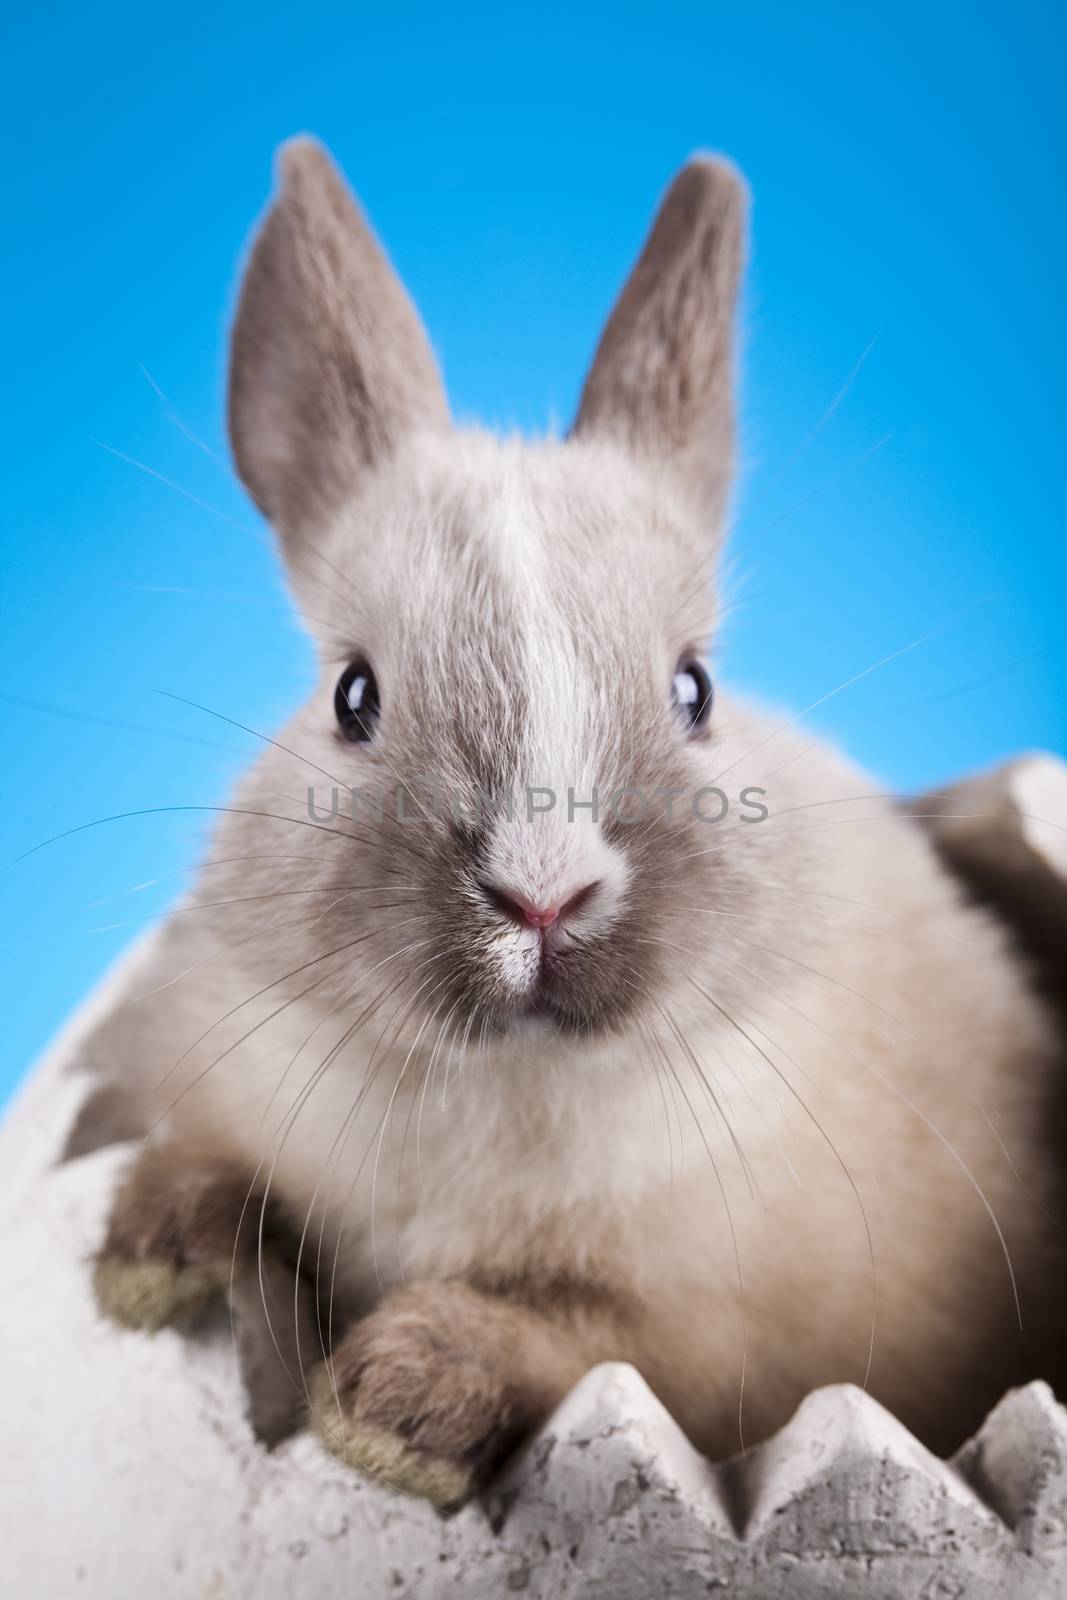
(356, 702)
(691, 693)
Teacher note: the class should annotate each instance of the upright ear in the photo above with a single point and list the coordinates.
(661, 379)
(329, 363)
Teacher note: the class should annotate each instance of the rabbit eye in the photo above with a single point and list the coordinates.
(692, 694)
(357, 703)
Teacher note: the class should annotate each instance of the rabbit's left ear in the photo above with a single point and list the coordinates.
(330, 365)
(661, 380)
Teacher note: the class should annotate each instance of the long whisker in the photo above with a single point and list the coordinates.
(349, 1123)
(733, 1237)
(712, 1098)
(426, 1022)
(743, 549)
(428, 1080)
(120, 724)
(828, 977)
(781, 1000)
(287, 1126)
(173, 417)
(170, 484)
(198, 866)
(315, 961)
(350, 1032)
(155, 811)
(725, 912)
(215, 955)
(274, 894)
(472, 1014)
(857, 677)
(209, 711)
(297, 756)
(813, 433)
(942, 1139)
(336, 1151)
(299, 1382)
(653, 1045)
(732, 1022)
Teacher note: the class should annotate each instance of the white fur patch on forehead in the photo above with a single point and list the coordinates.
(560, 729)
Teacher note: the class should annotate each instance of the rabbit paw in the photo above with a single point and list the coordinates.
(170, 1239)
(152, 1292)
(427, 1393)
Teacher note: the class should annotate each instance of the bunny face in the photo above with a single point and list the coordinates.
(523, 637)
(512, 720)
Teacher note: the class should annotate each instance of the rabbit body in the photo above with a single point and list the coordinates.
(762, 1104)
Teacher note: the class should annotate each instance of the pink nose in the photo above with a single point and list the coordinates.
(522, 910)
(541, 916)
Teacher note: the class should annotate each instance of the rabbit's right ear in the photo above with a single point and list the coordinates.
(330, 365)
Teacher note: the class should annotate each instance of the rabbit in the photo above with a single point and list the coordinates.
(555, 1005)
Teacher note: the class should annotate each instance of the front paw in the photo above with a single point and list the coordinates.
(152, 1292)
(170, 1239)
(428, 1392)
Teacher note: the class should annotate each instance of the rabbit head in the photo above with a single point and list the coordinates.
(510, 632)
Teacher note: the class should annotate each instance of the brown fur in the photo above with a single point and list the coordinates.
(459, 1376)
(178, 1208)
(172, 1237)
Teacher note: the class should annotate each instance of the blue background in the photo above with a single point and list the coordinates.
(903, 327)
